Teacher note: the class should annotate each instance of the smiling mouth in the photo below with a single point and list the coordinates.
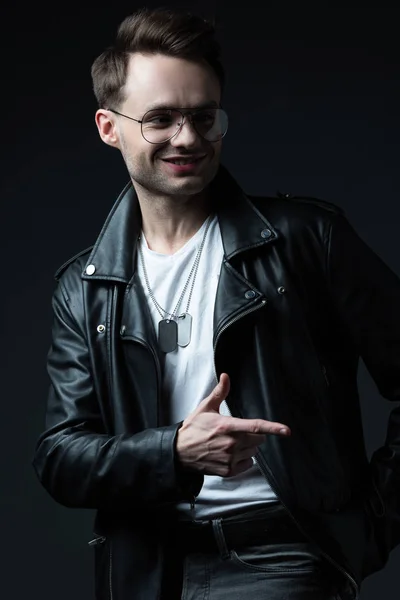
(183, 161)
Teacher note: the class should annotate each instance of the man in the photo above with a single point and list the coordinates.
(203, 366)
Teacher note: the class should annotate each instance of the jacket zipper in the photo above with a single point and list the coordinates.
(158, 367)
(192, 503)
(110, 573)
(96, 542)
(237, 318)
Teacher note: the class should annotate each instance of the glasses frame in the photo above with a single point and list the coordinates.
(189, 113)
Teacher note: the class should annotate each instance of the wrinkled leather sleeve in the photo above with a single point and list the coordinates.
(367, 292)
(75, 460)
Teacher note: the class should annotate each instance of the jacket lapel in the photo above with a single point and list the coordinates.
(243, 228)
(114, 254)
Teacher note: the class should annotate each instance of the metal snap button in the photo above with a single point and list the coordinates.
(266, 234)
(250, 294)
(90, 269)
(281, 289)
(101, 328)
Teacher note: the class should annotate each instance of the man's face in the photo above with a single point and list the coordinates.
(164, 81)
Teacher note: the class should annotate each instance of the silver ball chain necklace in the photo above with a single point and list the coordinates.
(175, 330)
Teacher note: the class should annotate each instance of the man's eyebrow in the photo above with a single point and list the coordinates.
(163, 106)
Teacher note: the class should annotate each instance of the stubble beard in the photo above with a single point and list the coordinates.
(150, 177)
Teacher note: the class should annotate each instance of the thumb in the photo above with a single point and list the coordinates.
(218, 394)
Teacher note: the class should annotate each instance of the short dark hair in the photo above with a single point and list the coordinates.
(170, 32)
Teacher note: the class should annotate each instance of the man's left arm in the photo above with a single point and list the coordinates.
(367, 293)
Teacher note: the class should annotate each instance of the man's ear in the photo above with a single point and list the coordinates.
(107, 128)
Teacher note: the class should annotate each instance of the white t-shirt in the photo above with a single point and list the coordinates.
(189, 371)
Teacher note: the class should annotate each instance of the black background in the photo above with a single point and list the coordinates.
(313, 95)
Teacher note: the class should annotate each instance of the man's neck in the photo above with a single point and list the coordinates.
(168, 223)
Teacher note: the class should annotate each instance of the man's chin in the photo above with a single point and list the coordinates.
(190, 185)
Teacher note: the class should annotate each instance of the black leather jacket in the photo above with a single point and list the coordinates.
(300, 299)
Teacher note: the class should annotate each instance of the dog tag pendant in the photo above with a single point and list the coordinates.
(184, 329)
(167, 335)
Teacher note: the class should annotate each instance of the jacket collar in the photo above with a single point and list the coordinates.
(113, 256)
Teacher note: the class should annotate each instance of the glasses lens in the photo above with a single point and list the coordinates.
(160, 125)
(210, 123)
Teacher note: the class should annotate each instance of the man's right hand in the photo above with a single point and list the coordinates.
(215, 444)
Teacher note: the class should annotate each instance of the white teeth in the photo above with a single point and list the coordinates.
(184, 162)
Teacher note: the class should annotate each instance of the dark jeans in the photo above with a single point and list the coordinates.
(270, 570)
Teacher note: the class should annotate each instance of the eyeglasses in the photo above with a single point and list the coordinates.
(162, 124)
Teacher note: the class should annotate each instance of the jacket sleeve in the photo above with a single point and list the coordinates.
(367, 293)
(75, 459)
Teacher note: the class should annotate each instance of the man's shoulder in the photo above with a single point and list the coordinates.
(74, 265)
(290, 205)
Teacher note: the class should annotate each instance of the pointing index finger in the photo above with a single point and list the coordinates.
(259, 426)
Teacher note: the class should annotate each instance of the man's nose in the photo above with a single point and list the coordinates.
(187, 135)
